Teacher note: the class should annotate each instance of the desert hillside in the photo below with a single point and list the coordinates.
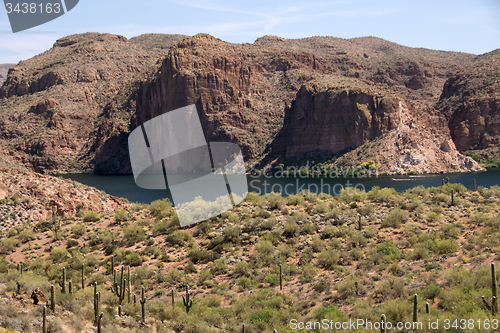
(272, 259)
(77, 102)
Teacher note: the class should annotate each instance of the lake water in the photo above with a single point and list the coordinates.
(124, 186)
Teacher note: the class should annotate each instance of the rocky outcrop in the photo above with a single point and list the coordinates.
(334, 120)
(471, 102)
(371, 124)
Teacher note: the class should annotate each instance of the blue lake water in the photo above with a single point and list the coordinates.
(125, 187)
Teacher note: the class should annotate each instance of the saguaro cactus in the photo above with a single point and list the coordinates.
(20, 268)
(243, 329)
(97, 306)
(63, 289)
(383, 324)
(427, 308)
(70, 287)
(281, 278)
(452, 197)
(52, 299)
(143, 305)
(415, 308)
(475, 186)
(188, 302)
(119, 310)
(112, 264)
(18, 287)
(129, 287)
(173, 298)
(44, 319)
(83, 276)
(494, 302)
(360, 226)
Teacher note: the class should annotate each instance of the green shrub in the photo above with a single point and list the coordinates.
(431, 291)
(262, 316)
(78, 230)
(26, 235)
(179, 237)
(382, 195)
(272, 279)
(323, 312)
(201, 256)
(291, 229)
(91, 216)
(479, 218)
(395, 218)
(328, 258)
(446, 246)
(121, 215)
(308, 273)
(9, 245)
(161, 208)
(59, 254)
(133, 233)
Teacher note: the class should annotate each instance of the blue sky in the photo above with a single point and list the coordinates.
(456, 25)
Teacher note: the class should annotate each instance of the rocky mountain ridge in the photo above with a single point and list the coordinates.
(71, 108)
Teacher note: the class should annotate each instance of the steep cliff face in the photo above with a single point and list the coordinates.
(334, 119)
(239, 89)
(471, 102)
(373, 124)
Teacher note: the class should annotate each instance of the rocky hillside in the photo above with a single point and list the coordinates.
(77, 102)
(370, 123)
(471, 102)
(4, 68)
(52, 102)
(354, 256)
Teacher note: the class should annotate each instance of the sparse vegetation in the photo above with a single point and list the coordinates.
(341, 268)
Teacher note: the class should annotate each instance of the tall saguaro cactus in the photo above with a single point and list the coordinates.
(188, 302)
(44, 319)
(415, 308)
(494, 302)
(52, 299)
(129, 287)
(83, 276)
(63, 290)
(427, 308)
(281, 278)
(20, 268)
(143, 305)
(97, 306)
(383, 324)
